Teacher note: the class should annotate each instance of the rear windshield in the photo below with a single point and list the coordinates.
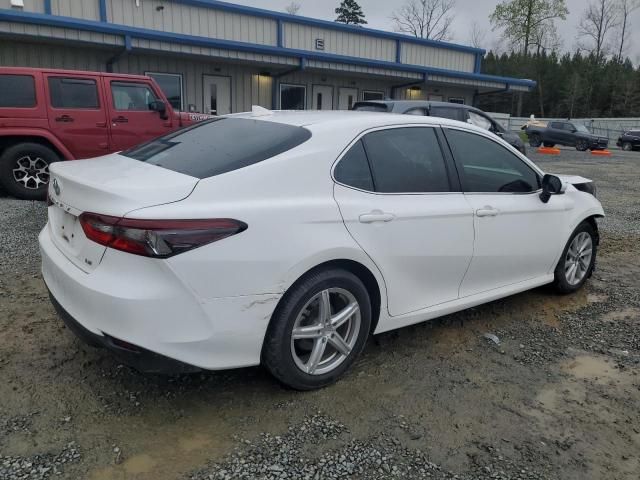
(219, 146)
(17, 91)
(371, 107)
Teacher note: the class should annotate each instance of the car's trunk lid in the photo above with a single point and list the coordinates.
(111, 185)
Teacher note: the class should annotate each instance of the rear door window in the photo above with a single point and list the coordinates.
(353, 169)
(17, 91)
(406, 160)
(219, 146)
(73, 93)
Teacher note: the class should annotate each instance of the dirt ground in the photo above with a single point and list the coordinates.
(558, 398)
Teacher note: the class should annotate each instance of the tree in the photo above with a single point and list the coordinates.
(600, 17)
(293, 8)
(425, 18)
(523, 20)
(350, 12)
(625, 9)
(477, 36)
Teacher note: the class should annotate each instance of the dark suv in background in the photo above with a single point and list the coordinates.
(453, 111)
(629, 140)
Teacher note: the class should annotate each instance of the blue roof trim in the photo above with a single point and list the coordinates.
(142, 33)
(261, 12)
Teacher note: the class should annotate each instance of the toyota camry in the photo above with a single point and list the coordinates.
(287, 238)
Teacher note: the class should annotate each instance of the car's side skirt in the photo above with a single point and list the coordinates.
(391, 323)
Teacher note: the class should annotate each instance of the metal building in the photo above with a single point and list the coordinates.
(217, 57)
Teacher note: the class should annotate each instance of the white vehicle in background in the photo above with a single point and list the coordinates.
(286, 238)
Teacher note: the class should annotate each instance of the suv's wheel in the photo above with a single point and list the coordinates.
(549, 145)
(318, 330)
(535, 140)
(578, 259)
(627, 147)
(24, 170)
(582, 145)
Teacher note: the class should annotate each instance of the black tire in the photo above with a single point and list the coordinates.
(33, 185)
(535, 140)
(549, 145)
(561, 283)
(277, 355)
(582, 146)
(627, 147)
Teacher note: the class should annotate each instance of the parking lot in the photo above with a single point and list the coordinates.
(558, 397)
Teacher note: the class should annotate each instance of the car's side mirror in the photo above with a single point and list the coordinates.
(551, 185)
(160, 107)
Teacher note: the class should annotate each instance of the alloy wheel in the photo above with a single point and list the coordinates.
(31, 172)
(578, 259)
(325, 331)
(626, 147)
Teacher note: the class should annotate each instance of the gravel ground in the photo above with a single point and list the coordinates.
(557, 397)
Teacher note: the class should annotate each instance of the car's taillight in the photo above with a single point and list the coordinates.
(156, 238)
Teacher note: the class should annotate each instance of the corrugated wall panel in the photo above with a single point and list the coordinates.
(29, 6)
(303, 37)
(86, 9)
(413, 54)
(59, 33)
(469, 82)
(173, 17)
(342, 67)
(52, 56)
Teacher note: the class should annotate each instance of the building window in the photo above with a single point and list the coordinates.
(293, 97)
(171, 86)
(458, 100)
(372, 95)
(73, 93)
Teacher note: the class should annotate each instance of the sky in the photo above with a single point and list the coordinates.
(378, 13)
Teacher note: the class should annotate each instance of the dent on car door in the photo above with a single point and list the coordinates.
(517, 236)
(395, 197)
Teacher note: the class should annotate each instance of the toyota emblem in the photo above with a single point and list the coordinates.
(56, 186)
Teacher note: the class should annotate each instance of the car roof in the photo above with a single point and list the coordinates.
(402, 104)
(306, 118)
(56, 71)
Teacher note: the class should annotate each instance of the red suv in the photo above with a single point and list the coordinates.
(52, 115)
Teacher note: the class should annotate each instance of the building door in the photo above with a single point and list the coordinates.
(322, 97)
(217, 95)
(346, 98)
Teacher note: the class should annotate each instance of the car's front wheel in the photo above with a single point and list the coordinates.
(578, 259)
(627, 147)
(535, 140)
(318, 330)
(582, 145)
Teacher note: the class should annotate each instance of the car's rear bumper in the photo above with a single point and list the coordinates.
(142, 302)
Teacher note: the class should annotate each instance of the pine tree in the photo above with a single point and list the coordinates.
(350, 12)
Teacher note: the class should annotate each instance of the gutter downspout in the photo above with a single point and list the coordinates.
(406, 85)
(275, 84)
(491, 92)
(127, 49)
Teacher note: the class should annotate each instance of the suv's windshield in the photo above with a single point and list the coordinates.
(219, 146)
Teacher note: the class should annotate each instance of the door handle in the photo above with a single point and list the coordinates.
(120, 119)
(64, 119)
(376, 216)
(487, 211)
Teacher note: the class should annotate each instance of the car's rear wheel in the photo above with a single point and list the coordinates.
(582, 145)
(24, 170)
(578, 259)
(318, 330)
(549, 145)
(535, 140)
(627, 147)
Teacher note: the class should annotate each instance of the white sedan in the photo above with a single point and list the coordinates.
(287, 238)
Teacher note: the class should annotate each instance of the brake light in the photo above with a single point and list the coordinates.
(156, 238)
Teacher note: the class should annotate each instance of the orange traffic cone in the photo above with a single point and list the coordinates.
(602, 153)
(549, 151)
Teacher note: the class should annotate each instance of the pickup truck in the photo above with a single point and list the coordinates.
(52, 115)
(565, 133)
